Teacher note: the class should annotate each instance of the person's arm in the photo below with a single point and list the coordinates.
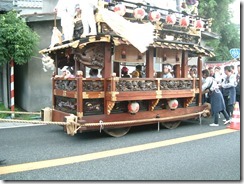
(206, 84)
(232, 82)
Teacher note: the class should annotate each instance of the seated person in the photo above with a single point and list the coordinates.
(193, 72)
(135, 74)
(93, 73)
(124, 72)
(167, 71)
(139, 70)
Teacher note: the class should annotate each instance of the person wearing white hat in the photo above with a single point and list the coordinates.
(167, 71)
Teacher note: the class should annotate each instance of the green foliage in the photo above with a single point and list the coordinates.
(222, 25)
(17, 40)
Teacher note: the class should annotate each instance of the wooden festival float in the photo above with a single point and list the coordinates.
(115, 104)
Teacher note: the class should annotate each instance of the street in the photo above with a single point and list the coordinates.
(189, 152)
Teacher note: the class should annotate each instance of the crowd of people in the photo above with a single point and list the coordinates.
(221, 90)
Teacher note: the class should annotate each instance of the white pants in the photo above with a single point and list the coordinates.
(88, 18)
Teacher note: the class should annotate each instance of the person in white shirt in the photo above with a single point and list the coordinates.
(66, 11)
(88, 17)
(216, 98)
(229, 90)
(167, 71)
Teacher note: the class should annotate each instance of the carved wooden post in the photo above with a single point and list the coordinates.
(107, 72)
(184, 64)
(149, 63)
(177, 71)
(79, 92)
(199, 70)
(107, 61)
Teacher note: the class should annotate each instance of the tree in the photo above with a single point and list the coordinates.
(229, 32)
(17, 44)
(17, 40)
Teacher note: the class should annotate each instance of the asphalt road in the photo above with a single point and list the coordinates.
(189, 152)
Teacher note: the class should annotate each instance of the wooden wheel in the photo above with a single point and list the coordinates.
(117, 132)
(171, 125)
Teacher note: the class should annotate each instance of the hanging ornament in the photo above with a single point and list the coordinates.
(184, 21)
(199, 24)
(133, 107)
(154, 16)
(171, 19)
(139, 13)
(120, 9)
(173, 104)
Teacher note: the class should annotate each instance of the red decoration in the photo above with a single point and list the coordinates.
(173, 104)
(154, 16)
(199, 24)
(139, 13)
(133, 107)
(171, 19)
(120, 9)
(184, 21)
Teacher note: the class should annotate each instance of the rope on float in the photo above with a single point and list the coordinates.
(73, 126)
(140, 121)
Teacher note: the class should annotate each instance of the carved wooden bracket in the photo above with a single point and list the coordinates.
(153, 104)
(188, 101)
(110, 106)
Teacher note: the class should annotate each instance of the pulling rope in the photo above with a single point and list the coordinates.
(73, 126)
(34, 122)
(15, 112)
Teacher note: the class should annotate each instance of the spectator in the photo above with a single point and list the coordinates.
(124, 72)
(167, 71)
(216, 98)
(93, 73)
(211, 71)
(238, 89)
(217, 74)
(229, 90)
(232, 67)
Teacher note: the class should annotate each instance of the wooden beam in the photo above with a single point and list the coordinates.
(199, 70)
(149, 63)
(184, 64)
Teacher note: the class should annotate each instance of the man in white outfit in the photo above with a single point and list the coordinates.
(66, 10)
(88, 18)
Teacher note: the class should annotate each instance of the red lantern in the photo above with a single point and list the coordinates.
(173, 104)
(139, 13)
(154, 16)
(184, 21)
(133, 107)
(120, 9)
(199, 24)
(171, 19)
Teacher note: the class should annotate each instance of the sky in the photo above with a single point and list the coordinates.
(235, 8)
